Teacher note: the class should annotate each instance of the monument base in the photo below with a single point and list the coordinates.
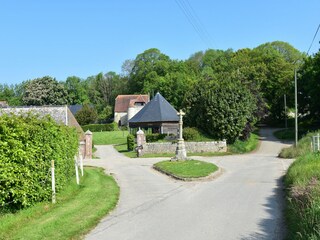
(181, 153)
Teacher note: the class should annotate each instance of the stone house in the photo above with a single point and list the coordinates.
(127, 106)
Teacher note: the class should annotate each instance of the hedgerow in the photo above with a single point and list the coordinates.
(28, 143)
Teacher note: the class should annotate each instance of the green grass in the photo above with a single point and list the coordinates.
(112, 137)
(303, 147)
(244, 146)
(186, 169)
(285, 134)
(78, 209)
(303, 198)
(123, 148)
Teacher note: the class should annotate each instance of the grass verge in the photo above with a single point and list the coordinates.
(113, 137)
(303, 198)
(244, 146)
(303, 147)
(186, 169)
(78, 209)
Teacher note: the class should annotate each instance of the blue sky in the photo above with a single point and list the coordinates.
(63, 38)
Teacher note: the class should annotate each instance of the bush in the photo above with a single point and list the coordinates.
(154, 137)
(100, 127)
(191, 134)
(27, 146)
(130, 142)
(86, 115)
(221, 109)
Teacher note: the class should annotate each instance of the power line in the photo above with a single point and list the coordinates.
(194, 21)
(201, 24)
(313, 39)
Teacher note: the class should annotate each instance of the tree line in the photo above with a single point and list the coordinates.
(224, 92)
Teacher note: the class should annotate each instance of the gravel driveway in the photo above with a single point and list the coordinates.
(245, 202)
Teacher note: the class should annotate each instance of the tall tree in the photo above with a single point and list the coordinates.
(279, 60)
(11, 94)
(309, 88)
(220, 108)
(76, 88)
(45, 91)
(149, 67)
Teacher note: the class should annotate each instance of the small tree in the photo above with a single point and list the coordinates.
(130, 142)
(86, 115)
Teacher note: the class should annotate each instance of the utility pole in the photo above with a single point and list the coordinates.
(285, 111)
(296, 107)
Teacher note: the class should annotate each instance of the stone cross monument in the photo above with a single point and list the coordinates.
(181, 153)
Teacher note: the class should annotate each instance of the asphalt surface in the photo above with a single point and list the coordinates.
(245, 202)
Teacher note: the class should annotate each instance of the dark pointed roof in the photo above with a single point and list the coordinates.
(157, 110)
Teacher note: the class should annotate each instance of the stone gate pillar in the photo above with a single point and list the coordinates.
(88, 139)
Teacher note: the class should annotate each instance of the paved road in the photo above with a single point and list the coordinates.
(245, 202)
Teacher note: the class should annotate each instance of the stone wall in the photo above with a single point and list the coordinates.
(168, 147)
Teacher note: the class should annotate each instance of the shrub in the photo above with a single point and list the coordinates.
(154, 137)
(27, 146)
(191, 134)
(130, 142)
(100, 127)
(221, 109)
(86, 115)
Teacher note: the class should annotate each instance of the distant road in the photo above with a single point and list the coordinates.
(245, 202)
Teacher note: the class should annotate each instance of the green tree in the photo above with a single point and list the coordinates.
(309, 88)
(149, 68)
(221, 108)
(11, 94)
(277, 61)
(44, 91)
(76, 88)
(86, 115)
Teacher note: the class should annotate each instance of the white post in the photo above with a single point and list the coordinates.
(53, 182)
(81, 164)
(76, 166)
(318, 142)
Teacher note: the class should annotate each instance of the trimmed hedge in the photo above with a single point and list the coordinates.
(100, 127)
(27, 146)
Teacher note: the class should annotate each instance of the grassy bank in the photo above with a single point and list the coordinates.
(303, 197)
(186, 169)
(244, 146)
(78, 209)
(303, 147)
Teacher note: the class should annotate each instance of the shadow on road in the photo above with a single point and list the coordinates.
(275, 207)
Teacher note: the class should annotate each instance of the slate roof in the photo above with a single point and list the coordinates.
(157, 110)
(123, 102)
(75, 108)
